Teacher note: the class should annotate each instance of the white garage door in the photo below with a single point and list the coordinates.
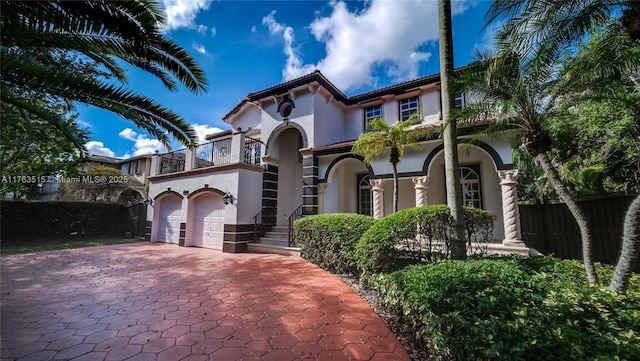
(169, 219)
(208, 222)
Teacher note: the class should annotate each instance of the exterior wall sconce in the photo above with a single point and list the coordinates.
(185, 192)
(228, 198)
(148, 202)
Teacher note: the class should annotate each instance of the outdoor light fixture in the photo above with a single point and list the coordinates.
(228, 198)
(185, 192)
(148, 202)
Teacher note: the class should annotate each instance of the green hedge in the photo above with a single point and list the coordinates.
(512, 308)
(329, 240)
(26, 220)
(417, 235)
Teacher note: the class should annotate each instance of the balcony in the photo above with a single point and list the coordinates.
(232, 149)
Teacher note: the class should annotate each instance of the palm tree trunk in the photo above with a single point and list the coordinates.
(395, 187)
(576, 211)
(630, 249)
(450, 133)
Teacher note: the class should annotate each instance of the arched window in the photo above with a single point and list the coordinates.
(471, 189)
(364, 195)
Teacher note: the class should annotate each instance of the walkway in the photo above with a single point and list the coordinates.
(149, 301)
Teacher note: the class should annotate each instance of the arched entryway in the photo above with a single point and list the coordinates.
(348, 188)
(285, 151)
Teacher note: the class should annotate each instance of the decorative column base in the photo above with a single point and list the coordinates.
(421, 185)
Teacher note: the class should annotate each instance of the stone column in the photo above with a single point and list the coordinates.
(510, 212)
(321, 188)
(421, 185)
(377, 187)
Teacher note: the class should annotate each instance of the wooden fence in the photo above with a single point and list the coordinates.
(551, 229)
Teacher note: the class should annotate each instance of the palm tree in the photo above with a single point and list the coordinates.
(396, 137)
(450, 132)
(522, 100)
(40, 39)
(542, 29)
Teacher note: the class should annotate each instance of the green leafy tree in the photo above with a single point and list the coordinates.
(36, 36)
(394, 138)
(30, 147)
(101, 183)
(450, 132)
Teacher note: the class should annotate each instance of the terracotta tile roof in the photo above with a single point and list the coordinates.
(317, 76)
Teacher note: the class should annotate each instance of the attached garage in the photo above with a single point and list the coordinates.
(207, 221)
(170, 212)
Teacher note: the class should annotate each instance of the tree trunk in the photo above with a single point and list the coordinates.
(395, 187)
(630, 249)
(450, 136)
(576, 211)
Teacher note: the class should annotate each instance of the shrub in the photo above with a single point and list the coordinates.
(417, 235)
(329, 240)
(24, 219)
(513, 309)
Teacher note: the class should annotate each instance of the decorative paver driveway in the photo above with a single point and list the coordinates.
(149, 301)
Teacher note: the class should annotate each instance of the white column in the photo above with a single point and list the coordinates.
(237, 147)
(321, 188)
(421, 185)
(377, 187)
(510, 212)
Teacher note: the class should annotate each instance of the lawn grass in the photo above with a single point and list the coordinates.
(38, 245)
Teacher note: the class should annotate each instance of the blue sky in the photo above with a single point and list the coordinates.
(246, 46)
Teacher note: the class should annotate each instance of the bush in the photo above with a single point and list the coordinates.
(513, 309)
(24, 219)
(418, 235)
(329, 240)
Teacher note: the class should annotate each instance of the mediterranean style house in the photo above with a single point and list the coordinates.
(288, 155)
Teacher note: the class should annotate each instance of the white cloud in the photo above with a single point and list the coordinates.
(202, 29)
(488, 40)
(182, 13)
(83, 124)
(254, 29)
(199, 48)
(213, 32)
(142, 143)
(128, 133)
(203, 130)
(97, 148)
(385, 33)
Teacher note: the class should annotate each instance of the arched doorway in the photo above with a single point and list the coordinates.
(286, 153)
(348, 187)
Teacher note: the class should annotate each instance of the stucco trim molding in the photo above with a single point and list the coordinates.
(497, 160)
(207, 190)
(341, 158)
(167, 193)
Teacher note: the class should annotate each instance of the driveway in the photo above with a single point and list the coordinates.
(150, 301)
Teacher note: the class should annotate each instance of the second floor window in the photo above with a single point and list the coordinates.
(408, 107)
(459, 99)
(370, 114)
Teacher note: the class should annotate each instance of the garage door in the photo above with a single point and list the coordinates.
(169, 219)
(208, 222)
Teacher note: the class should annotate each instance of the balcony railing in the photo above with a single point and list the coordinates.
(172, 162)
(236, 148)
(213, 153)
(252, 150)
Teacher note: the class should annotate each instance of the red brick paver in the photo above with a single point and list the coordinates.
(151, 301)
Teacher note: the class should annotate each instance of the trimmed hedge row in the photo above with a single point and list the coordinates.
(537, 308)
(329, 240)
(416, 235)
(24, 219)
